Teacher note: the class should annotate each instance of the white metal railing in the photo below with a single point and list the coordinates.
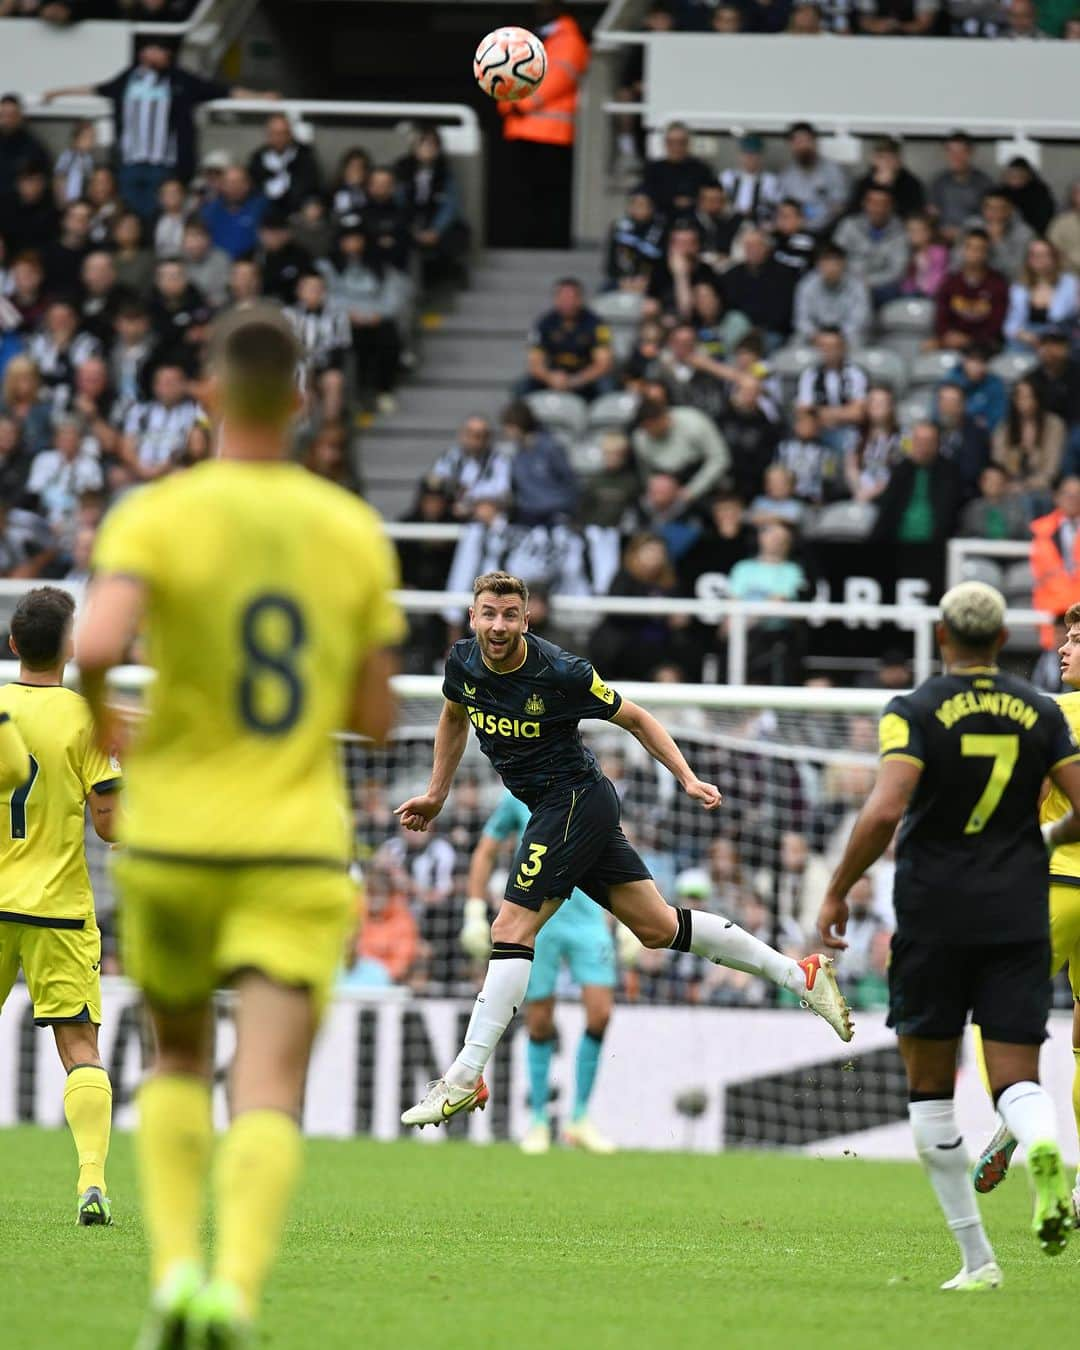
(459, 125)
(857, 85)
(960, 550)
(778, 698)
(738, 615)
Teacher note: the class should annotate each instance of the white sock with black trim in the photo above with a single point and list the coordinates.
(503, 993)
(726, 944)
(1026, 1108)
(941, 1149)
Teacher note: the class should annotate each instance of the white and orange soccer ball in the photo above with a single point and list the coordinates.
(510, 63)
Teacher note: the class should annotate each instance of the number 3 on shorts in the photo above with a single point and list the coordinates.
(532, 864)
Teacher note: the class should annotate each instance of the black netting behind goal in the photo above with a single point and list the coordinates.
(793, 782)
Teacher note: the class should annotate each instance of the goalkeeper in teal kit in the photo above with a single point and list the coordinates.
(578, 934)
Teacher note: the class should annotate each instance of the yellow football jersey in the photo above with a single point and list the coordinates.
(43, 871)
(1063, 861)
(266, 588)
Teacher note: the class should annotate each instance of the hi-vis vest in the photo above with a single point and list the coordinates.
(548, 115)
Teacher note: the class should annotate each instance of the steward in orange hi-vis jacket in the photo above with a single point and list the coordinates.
(539, 131)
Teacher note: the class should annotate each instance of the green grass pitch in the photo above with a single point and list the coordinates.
(403, 1245)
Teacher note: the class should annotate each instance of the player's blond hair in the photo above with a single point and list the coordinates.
(973, 612)
(500, 583)
(1072, 615)
(256, 355)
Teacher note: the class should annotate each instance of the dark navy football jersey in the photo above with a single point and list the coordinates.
(527, 720)
(971, 865)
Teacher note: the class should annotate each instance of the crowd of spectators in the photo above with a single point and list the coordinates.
(60, 13)
(777, 359)
(1009, 19)
(111, 272)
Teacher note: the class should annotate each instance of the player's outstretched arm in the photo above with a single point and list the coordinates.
(870, 835)
(1066, 830)
(374, 706)
(451, 735)
(14, 756)
(644, 727)
(110, 619)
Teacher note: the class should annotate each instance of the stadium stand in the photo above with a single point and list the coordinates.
(802, 368)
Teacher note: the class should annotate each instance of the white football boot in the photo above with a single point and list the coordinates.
(821, 994)
(443, 1101)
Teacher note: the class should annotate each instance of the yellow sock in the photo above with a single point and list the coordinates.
(1076, 1089)
(88, 1108)
(174, 1138)
(257, 1167)
(980, 1058)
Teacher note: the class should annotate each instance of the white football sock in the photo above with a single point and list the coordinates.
(503, 993)
(1027, 1110)
(726, 944)
(941, 1148)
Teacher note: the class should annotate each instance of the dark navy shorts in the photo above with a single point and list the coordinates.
(574, 838)
(1006, 988)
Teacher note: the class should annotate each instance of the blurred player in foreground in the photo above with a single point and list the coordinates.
(265, 597)
(578, 934)
(994, 1161)
(50, 769)
(525, 698)
(963, 761)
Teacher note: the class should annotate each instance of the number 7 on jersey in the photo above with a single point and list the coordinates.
(1004, 751)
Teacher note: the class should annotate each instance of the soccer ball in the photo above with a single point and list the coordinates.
(510, 64)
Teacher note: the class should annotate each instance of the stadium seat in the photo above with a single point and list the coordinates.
(909, 315)
(917, 407)
(844, 521)
(613, 412)
(789, 363)
(930, 368)
(985, 570)
(620, 309)
(1019, 580)
(883, 367)
(564, 414)
(1013, 366)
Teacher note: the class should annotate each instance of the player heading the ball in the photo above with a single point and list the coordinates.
(525, 699)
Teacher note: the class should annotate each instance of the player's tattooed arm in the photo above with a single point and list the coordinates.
(644, 727)
(105, 813)
(451, 737)
(870, 835)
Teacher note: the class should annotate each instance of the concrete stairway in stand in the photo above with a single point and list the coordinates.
(469, 358)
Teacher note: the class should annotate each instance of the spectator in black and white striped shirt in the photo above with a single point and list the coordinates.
(837, 388)
(326, 336)
(155, 433)
(59, 349)
(154, 105)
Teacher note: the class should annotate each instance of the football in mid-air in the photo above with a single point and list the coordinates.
(510, 63)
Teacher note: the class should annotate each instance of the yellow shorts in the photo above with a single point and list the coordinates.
(1065, 932)
(185, 928)
(62, 968)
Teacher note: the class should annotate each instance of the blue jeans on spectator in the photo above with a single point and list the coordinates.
(139, 185)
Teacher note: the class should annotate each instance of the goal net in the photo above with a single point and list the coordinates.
(794, 766)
